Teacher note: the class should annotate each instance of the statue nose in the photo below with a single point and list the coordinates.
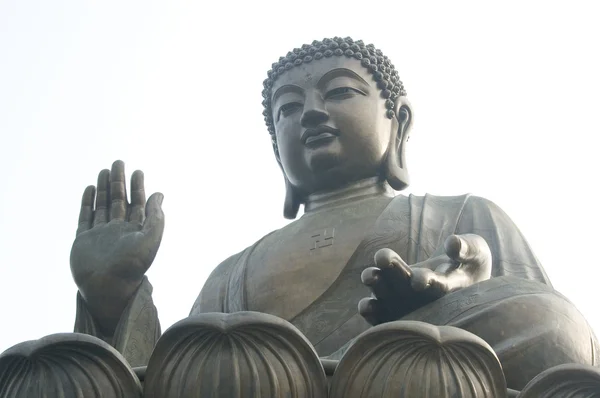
(313, 118)
(314, 114)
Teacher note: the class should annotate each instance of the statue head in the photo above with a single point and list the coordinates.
(337, 113)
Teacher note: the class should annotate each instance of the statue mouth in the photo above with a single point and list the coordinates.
(319, 135)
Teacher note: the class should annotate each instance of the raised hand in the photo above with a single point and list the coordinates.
(399, 289)
(116, 243)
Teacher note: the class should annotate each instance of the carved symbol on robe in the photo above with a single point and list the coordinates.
(322, 238)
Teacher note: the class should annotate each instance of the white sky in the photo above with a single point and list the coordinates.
(506, 99)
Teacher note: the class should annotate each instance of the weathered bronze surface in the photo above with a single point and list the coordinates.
(249, 354)
(459, 303)
(66, 365)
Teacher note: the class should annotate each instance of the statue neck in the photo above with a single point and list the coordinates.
(363, 189)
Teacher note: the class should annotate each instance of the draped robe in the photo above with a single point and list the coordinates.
(530, 326)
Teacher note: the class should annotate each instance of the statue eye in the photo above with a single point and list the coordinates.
(341, 93)
(288, 109)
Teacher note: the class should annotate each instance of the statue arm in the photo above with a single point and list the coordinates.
(115, 244)
(511, 254)
(138, 328)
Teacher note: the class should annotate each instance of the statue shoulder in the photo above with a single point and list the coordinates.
(474, 202)
(465, 203)
(479, 211)
(213, 292)
(472, 214)
(225, 284)
(512, 254)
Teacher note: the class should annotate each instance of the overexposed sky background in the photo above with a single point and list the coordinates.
(506, 99)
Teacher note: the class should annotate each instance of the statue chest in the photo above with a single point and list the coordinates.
(293, 267)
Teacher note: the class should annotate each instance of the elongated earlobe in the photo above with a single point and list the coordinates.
(292, 201)
(396, 173)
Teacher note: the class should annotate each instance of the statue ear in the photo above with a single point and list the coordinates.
(292, 200)
(396, 172)
(291, 205)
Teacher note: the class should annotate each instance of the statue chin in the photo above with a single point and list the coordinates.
(322, 160)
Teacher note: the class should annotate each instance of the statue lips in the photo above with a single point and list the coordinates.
(319, 135)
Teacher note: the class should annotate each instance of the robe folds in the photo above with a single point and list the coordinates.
(530, 326)
(138, 329)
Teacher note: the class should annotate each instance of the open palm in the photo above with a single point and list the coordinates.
(116, 242)
(398, 289)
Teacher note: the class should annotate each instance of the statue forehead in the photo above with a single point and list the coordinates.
(309, 74)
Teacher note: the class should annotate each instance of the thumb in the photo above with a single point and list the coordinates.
(154, 224)
(472, 251)
(466, 248)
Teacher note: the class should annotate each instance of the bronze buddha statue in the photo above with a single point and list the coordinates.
(339, 120)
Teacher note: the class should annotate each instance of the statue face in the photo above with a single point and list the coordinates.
(330, 123)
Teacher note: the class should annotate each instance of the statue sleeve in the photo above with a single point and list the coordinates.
(512, 255)
(217, 294)
(138, 329)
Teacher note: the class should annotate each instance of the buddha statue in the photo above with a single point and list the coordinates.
(360, 255)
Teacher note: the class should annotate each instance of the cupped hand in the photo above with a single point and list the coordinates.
(116, 242)
(399, 289)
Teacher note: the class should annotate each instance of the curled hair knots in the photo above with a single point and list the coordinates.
(370, 57)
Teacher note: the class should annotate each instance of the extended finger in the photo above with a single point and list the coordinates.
(382, 288)
(389, 259)
(370, 309)
(86, 214)
(102, 198)
(138, 197)
(395, 273)
(370, 276)
(118, 192)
